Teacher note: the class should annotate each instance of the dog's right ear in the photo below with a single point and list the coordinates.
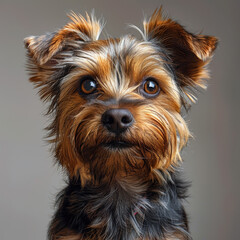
(43, 48)
(46, 52)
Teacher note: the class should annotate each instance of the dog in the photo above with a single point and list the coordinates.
(117, 128)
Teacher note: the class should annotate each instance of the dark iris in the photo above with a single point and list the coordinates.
(88, 85)
(150, 87)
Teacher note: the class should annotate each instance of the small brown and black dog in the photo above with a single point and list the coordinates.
(117, 129)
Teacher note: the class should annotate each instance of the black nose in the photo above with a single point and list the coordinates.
(117, 120)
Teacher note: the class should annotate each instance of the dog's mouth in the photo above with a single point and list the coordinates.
(117, 144)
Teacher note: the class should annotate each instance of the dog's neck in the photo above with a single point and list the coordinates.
(124, 207)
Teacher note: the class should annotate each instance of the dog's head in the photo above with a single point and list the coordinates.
(117, 102)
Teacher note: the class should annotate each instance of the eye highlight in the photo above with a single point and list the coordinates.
(88, 85)
(150, 88)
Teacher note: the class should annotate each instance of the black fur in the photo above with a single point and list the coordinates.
(112, 213)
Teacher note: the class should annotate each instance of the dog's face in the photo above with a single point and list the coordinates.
(117, 102)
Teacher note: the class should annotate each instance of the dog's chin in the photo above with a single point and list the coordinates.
(105, 148)
(117, 145)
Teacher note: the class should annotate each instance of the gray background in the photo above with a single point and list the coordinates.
(28, 179)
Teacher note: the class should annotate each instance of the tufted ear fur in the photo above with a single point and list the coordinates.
(188, 53)
(43, 48)
(46, 54)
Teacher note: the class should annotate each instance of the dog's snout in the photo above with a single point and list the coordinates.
(117, 120)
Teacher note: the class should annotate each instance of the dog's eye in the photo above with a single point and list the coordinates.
(87, 85)
(150, 87)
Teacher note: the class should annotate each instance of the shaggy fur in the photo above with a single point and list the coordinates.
(122, 177)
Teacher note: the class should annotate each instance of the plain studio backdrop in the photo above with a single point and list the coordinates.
(28, 179)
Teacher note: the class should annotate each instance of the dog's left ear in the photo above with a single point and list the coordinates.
(188, 53)
(43, 48)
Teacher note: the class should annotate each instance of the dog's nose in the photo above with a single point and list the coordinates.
(117, 120)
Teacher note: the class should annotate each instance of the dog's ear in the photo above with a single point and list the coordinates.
(188, 53)
(46, 54)
(42, 48)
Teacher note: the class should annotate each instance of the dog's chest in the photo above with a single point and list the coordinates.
(114, 213)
